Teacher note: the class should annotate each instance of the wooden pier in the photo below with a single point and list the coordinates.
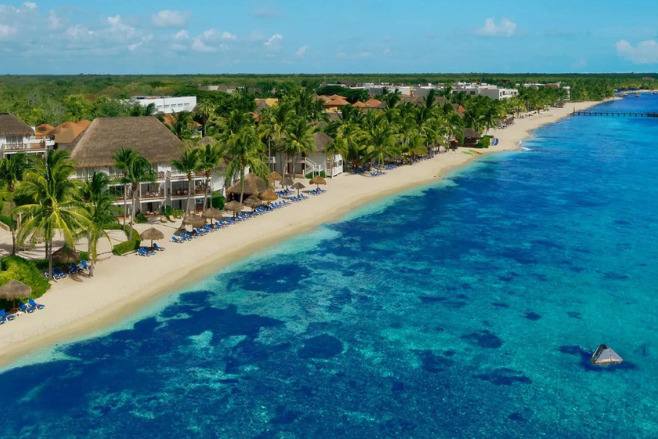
(613, 113)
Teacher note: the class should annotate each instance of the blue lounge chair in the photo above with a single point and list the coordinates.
(4, 315)
(145, 252)
(75, 269)
(158, 248)
(25, 308)
(57, 273)
(33, 304)
(85, 265)
(176, 240)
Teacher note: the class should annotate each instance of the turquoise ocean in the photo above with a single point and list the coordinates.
(466, 308)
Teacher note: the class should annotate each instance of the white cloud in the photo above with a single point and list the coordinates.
(229, 36)
(182, 35)
(504, 28)
(273, 39)
(199, 46)
(302, 50)
(134, 46)
(78, 32)
(6, 31)
(119, 27)
(645, 52)
(30, 5)
(169, 18)
(54, 21)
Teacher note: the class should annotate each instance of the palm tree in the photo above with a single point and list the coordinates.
(188, 163)
(210, 157)
(349, 138)
(244, 150)
(136, 170)
(380, 141)
(205, 110)
(11, 172)
(98, 203)
(299, 140)
(54, 204)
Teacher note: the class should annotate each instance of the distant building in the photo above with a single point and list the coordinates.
(225, 88)
(18, 137)
(424, 89)
(498, 93)
(94, 151)
(167, 104)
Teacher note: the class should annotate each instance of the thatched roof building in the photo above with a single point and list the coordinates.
(68, 131)
(96, 146)
(321, 141)
(10, 125)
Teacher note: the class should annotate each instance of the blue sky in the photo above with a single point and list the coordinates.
(318, 36)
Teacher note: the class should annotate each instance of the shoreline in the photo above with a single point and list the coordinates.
(79, 307)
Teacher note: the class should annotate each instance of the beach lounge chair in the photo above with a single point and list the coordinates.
(75, 268)
(85, 265)
(25, 308)
(4, 315)
(145, 252)
(176, 240)
(35, 305)
(158, 248)
(57, 273)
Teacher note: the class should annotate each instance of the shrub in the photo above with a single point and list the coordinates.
(5, 219)
(17, 268)
(310, 175)
(141, 219)
(127, 246)
(217, 201)
(177, 213)
(484, 142)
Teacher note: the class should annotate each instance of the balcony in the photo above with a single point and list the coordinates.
(26, 147)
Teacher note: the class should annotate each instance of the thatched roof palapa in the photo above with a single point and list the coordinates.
(253, 185)
(268, 195)
(65, 255)
(15, 289)
(152, 233)
(107, 135)
(10, 125)
(233, 206)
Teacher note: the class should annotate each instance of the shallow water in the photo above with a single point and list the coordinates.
(463, 309)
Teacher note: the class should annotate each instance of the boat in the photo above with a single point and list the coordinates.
(604, 356)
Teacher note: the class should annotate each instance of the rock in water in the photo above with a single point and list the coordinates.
(604, 355)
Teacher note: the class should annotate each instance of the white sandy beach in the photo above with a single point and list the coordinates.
(123, 284)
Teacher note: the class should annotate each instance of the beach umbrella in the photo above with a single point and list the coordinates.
(194, 221)
(287, 181)
(152, 234)
(268, 195)
(317, 180)
(234, 207)
(299, 186)
(13, 290)
(274, 176)
(212, 213)
(65, 255)
(252, 201)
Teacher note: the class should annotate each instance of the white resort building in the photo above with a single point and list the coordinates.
(94, 151)
(18, 137)
(315, 163)
(166, 104)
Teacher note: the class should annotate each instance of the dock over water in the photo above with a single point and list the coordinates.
(613, 113)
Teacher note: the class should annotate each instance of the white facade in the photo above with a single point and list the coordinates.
(169, 188)
(24, 144)
(167, 104)
(424, 89)
(498, 93)
(376, 89)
